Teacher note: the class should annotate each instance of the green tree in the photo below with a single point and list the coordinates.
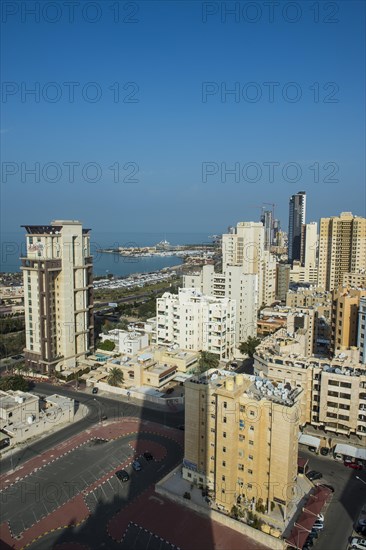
(207, 361)
(249, 346)
(115, 377)
(14, 382)
(107, 345)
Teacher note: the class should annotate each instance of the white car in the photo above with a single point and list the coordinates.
(358, 544)
(319, 525)
(320, 517)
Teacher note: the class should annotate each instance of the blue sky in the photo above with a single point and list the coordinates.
(169, 132)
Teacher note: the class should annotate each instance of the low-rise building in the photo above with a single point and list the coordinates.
(24, 415)
(334, 390)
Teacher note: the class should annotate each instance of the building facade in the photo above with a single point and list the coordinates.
(58, 296)
(361, 336)
(297, 217)
(345, 316)
(334, 391)
(234, 285)
(196, 322)
(241, 439)
(342, 248)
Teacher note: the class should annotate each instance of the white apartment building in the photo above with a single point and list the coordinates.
(234, 285)
(245, 248)
(196, 322)
(58, 295)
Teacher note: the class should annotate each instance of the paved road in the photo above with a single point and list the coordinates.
(347, 501)
(45, 490)
(98, 406)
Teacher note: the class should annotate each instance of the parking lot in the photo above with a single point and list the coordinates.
(347, 500)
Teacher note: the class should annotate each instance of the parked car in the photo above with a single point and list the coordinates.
(352, 465)
(122, 475)
(104, 417)
(181, 427)
(324, 451)
(320, 517)
(136, 466)
(313, 449)
(358, 544)
(313, 475)
(148, 456)
(318, 525)
(95, 390)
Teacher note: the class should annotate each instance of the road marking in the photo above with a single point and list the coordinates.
(161, 502)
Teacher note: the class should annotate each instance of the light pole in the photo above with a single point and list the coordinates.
(100, 409)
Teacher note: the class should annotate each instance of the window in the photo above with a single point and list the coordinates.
(250, 471)
(241, 467)
(223, 478)
(224, 434)
(250, 457)
(224, 449)
(251, 428)
(225, 404)
(251, 442)
(224, 420)
(224, 463)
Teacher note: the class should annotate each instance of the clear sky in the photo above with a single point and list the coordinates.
(161, 70)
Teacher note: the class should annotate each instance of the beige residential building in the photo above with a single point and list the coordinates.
(308, 297)
(356, 279)
(342, 248)
(334, 391)
(282, 281)
(241, 438)
(346, 303)
(194, 321)
(58, 295)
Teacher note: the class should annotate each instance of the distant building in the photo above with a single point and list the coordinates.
(58, 296)
(342, 248)
(240, 437)
(245, 248)
(297, 217)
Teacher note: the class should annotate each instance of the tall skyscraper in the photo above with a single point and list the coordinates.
(58, 295)
(297, 216)
(342, 248)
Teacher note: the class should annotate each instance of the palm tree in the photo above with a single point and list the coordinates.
(115, 377)
(249, 346)
(208, 361)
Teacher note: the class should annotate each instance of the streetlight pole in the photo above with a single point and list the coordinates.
(100, 409)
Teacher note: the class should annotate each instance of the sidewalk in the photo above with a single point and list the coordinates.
(332, 438)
